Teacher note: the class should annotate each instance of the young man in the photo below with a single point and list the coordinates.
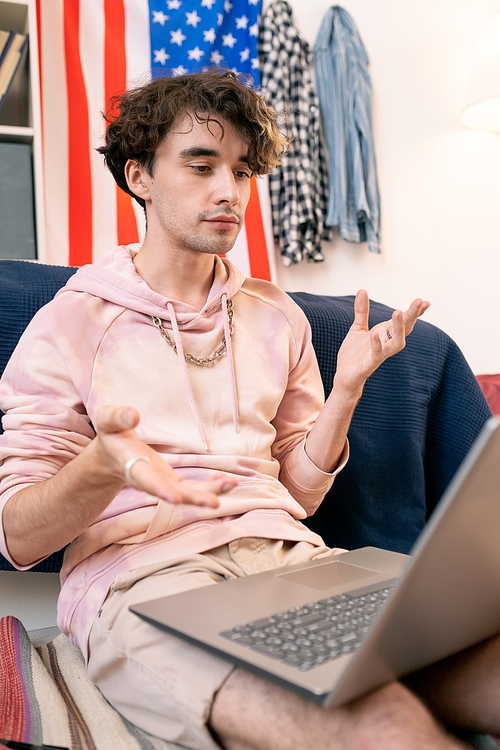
(164, 418)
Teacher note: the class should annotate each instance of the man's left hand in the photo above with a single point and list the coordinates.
(363, 350)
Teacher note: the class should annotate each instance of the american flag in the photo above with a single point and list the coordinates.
(90, 50)
(192, 34)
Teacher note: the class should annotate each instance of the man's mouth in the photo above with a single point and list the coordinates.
(223, 221)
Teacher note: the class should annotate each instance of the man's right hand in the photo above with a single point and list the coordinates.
(117, 443)
(48, 515)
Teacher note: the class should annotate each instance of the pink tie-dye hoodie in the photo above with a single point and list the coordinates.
(247, 414)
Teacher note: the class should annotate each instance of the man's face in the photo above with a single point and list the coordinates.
(200, 187)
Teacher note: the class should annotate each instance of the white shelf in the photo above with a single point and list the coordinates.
(16, 134)
(20, 115)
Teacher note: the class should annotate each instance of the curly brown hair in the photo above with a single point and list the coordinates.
(148, 113)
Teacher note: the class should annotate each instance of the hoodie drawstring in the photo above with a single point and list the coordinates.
(234, 394)
(185, 376)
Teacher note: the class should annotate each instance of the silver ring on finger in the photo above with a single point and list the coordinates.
(128, 468)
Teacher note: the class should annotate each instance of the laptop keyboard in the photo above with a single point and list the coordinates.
(308, 636)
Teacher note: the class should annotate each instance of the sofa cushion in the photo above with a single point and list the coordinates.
(418, 416)
(24, 288)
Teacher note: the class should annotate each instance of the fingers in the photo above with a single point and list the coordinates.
(398, 327)
(205, 493)
(388, 338)
(416, 309)
(221, 483)
(401, 324)
(158, 478)
(112, 419)
(147, 471)
(361, 310)
(394, 332)
(119, 448)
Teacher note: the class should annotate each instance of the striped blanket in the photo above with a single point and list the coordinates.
(47, 698)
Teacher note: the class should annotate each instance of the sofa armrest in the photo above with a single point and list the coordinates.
(25, 287)
(418, 416)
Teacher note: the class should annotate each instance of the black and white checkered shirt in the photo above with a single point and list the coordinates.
(299, 187)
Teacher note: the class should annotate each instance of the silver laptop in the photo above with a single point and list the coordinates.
(367, 616)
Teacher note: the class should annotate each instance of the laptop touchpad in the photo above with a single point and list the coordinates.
(331, 573)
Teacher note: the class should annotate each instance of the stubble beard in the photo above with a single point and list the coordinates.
(218, 244)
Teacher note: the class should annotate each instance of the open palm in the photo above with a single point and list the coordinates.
(364, 349)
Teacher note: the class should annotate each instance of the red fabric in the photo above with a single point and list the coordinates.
(490, 386)
(14, 722)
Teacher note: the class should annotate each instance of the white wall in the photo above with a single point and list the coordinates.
(439, 183)
(31, 597)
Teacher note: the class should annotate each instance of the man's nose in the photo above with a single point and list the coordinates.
(226, 190)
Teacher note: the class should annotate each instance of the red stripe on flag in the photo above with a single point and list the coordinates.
(115, 82)
(79, 178)
(256, 238)
(126, 220)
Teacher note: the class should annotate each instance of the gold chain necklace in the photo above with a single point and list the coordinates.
(189, 357)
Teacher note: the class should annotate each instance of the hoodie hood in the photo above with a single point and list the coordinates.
(114, 279)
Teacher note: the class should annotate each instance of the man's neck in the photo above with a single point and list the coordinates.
(186, 276)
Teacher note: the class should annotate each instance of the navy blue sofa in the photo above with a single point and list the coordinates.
(417, 418)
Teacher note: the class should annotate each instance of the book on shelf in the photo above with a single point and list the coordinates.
(6, 38)
(12, 48)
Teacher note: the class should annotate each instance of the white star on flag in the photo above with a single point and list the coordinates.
(180, 71)
(160, 17)
(209, 36)
(216, 57)
(193, 19)
(161, 56)
(195, 54)
(197, 30)
(228, 40)
(177, 37)
(255, 63)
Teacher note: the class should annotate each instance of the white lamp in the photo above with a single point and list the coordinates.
(482, 100)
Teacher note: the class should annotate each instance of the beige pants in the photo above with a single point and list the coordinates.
(159, 683)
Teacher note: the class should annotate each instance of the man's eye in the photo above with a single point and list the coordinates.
(241, 174)
(200, 167)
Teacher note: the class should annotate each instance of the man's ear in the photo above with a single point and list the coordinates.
(135, 176)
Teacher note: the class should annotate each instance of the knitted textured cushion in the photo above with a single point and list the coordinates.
(24, 288)
(418, 416)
